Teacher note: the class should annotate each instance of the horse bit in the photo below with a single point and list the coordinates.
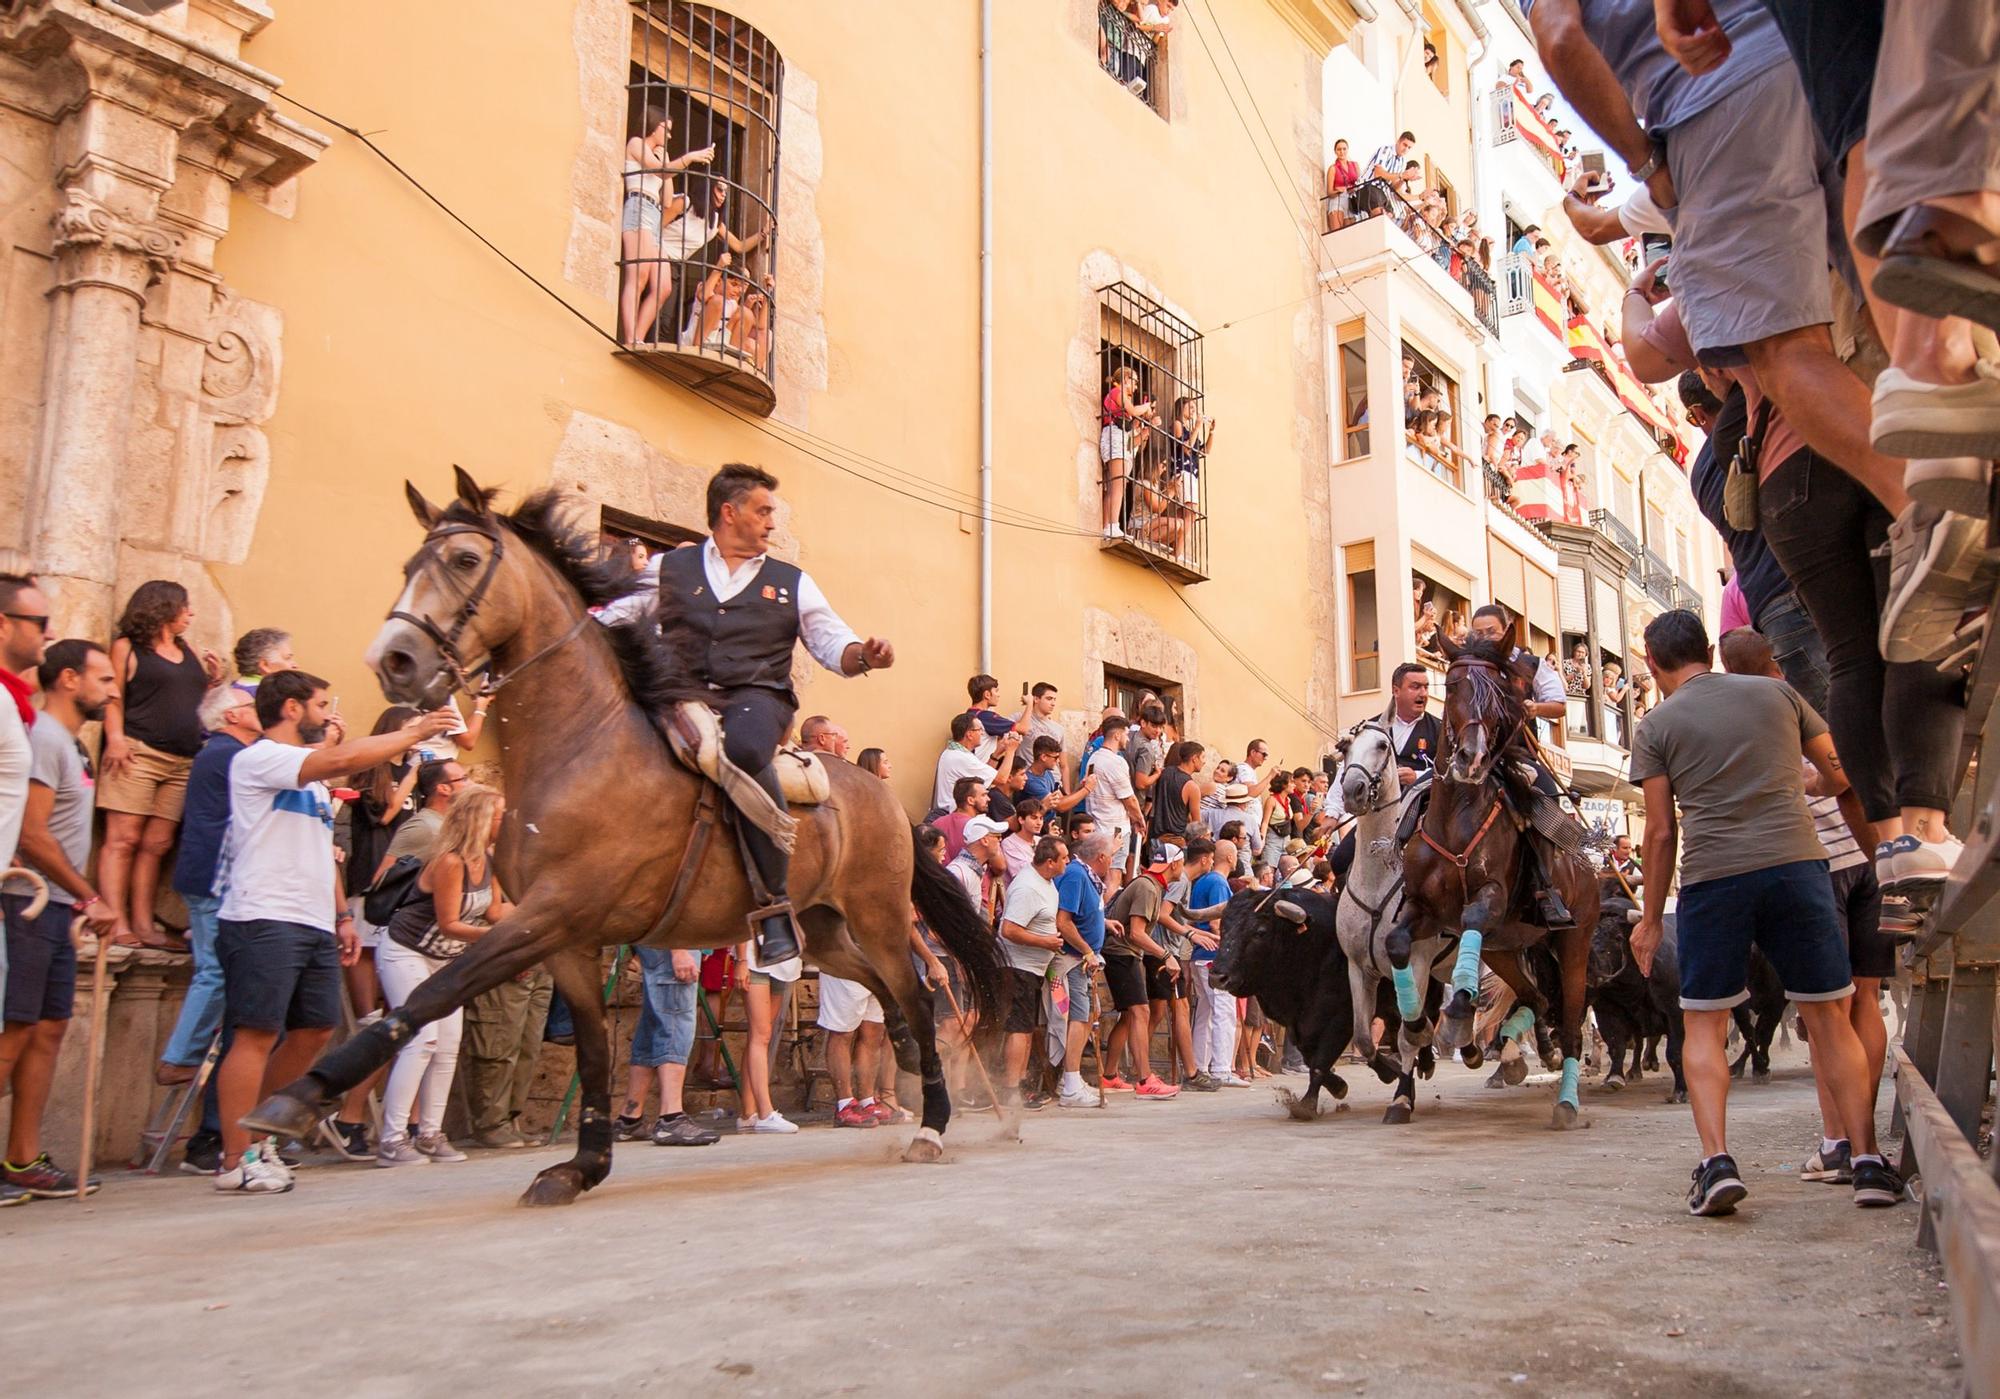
(446, 641)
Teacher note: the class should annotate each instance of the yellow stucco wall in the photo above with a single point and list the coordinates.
(407, 347)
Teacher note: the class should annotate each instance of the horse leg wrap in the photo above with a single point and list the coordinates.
(1409, 1004)
(1517, 1024)
(1465, 975)
(1572, 1068)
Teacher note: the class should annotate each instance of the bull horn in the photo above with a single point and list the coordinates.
(1632, 916)
(1291, 912)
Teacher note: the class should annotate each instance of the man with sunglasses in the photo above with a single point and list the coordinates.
(24, 627)
(77, 682)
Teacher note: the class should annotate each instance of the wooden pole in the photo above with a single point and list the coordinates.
(972, 1049)
(99, 995)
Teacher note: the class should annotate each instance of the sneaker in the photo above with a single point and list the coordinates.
(438, 1148)
(1230, 1080)
(349, 1140)
(628, 1129)
(1201, 1083)
(1113, 532)
(1935, 562)
(203, 1155)
(505, 1137)
(777, 1122)
(45, 1180)
(13, 1195)
(1951, 483)
(1907, 862)
(1835, 1167)
(1916, 419)
(1035, 1100)
(1079, 1098)
(274, 1156)
(399, 1151)
(1717, 1188)
(854, 1115)
(1875, 1184)
(682, 1130)
(254, 1176)
(1153, 1088)
(1114, 1084)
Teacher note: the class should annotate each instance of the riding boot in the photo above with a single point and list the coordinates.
(771, 920)
(1549, 906)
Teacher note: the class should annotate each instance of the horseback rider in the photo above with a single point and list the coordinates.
(731, 614)
(1537, 682)
(1414, 732)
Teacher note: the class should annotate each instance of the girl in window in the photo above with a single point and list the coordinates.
(645, 276)
(1121, 411)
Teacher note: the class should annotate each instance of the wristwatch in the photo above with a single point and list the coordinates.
(1645, 172)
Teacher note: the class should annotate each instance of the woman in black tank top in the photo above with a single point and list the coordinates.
(152, 732)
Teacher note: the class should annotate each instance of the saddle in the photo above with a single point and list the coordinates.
(694, 733)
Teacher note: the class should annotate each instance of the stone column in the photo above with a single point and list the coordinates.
(104, 265)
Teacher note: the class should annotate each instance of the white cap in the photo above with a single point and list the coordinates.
(980, 826)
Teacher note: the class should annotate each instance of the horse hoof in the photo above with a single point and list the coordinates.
(1343, 1107)
(925, 1149)
(1398, 1114)
(1514, 1072)
(1301, 1109)
(1566, 1118)
(1460, 1006)
(1678, 1096)
(1612, 1083)
(1337, 1086)
(1759, 1075)
(282, 1115)
(1472, 1056)
(558, 1185)
(1498, 1078)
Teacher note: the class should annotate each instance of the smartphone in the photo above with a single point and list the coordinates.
(1656, 245)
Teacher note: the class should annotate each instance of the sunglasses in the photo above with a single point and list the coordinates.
(41, 624)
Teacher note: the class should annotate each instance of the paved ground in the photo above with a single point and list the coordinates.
(1178, 1248)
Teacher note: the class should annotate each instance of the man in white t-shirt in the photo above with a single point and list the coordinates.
(1112, 799)
(1029, 940)
(24, 622)
(958, 760)
(283, 933)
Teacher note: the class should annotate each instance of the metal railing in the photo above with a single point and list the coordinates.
(1501, 496)
(1615, 530)
(1656, 578)
(1154, 457)
(1517, 283)
(1375, 198)
(1507, 128)
(1128, 54)
(1687, 595)
(1445, 470)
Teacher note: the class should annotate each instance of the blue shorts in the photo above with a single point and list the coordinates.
(1078, 987)
(41, 961)
(665, 1032)
(278, 975)
(1787, 910)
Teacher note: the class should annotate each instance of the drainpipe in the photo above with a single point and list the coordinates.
(986, 336)
(1479, 30)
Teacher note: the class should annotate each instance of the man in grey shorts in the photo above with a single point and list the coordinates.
(1733, 157)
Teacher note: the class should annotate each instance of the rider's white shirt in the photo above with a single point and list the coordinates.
(825, 635)
(1548, 684)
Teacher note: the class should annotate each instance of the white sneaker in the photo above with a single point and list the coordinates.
(1230, 1080)
(254, 1176)
(745, 1125)
(268, 1153)
(1082, 1098)
(776, 1122)
(1936, 562)
(391, 1152)
(1113, 531)
(1916, 419)
(1907, 862)
(438, 1148)
(1951, 483)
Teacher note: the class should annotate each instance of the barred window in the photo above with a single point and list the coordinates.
(1132, 47)
(697, 289)
(1154, 435)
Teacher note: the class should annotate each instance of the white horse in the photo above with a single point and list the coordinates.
(1371, 902)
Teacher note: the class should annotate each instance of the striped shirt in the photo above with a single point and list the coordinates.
(1842, 852)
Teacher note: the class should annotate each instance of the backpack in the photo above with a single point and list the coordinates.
(396, 887)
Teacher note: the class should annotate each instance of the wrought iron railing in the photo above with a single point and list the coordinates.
(1128, 54)
(1615, 530)
(1687, 595)
(1517, 284)
(1374, 198)
(1153, 453)
(1656, 577)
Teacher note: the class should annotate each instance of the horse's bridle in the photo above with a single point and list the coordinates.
(1495, 752)
(446, 638)
(1374, 778)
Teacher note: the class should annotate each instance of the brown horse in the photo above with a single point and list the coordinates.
(601, 819)
(1465, 870)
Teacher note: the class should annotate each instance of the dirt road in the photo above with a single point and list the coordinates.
(1195, 1247)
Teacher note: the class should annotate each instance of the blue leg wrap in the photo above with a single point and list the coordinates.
(1465, 976)
(1408, 1003)
(1517, 1024)
(1571, 1069)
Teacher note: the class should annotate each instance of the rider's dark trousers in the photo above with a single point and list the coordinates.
(754, 723)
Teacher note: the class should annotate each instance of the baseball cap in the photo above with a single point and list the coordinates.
(980, 826)
(1162, 853)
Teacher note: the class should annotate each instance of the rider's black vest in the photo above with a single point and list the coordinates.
(1419, 750)
(744, 643)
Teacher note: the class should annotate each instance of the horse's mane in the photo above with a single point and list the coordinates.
(545, 522)
(1494, 694)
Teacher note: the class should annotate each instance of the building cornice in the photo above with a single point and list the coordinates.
(1324, 24)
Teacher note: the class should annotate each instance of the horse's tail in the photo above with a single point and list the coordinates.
(942, 903)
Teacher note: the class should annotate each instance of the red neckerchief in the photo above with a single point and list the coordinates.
(18, 688)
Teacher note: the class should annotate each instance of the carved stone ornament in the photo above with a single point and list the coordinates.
(94, 244)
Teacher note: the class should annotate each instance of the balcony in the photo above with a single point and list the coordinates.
(1687, 595)
(1133, 58)
(1155, 485)
(1526, 150)
(1656, 578)
(1373, 225)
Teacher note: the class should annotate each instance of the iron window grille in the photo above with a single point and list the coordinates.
(1133, 58)
(1153, 448)
(698, 243)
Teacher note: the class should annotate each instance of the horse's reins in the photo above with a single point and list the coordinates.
(446, 641)
(1462, 859)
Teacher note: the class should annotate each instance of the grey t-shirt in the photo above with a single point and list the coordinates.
(1731, 746)
(1141, 900)
(1662, 92)
(57, 763)
(1144, 755)
(417, 836)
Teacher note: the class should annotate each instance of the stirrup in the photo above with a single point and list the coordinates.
(1554, 912)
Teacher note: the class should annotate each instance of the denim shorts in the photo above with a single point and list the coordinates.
(41, 961)
(277, 975)
(1787, 910)
(665, 1032)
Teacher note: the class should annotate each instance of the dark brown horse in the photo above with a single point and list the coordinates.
(1466, 870)
(600, 816)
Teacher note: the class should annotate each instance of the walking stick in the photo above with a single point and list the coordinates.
(993, 1098)
(1096, 1037)
(99, 994)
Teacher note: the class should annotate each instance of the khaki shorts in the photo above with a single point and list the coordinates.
(153, 784)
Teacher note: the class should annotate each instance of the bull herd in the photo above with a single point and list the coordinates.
(1319, 965)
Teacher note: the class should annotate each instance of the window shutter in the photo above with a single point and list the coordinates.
(1361, 557)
